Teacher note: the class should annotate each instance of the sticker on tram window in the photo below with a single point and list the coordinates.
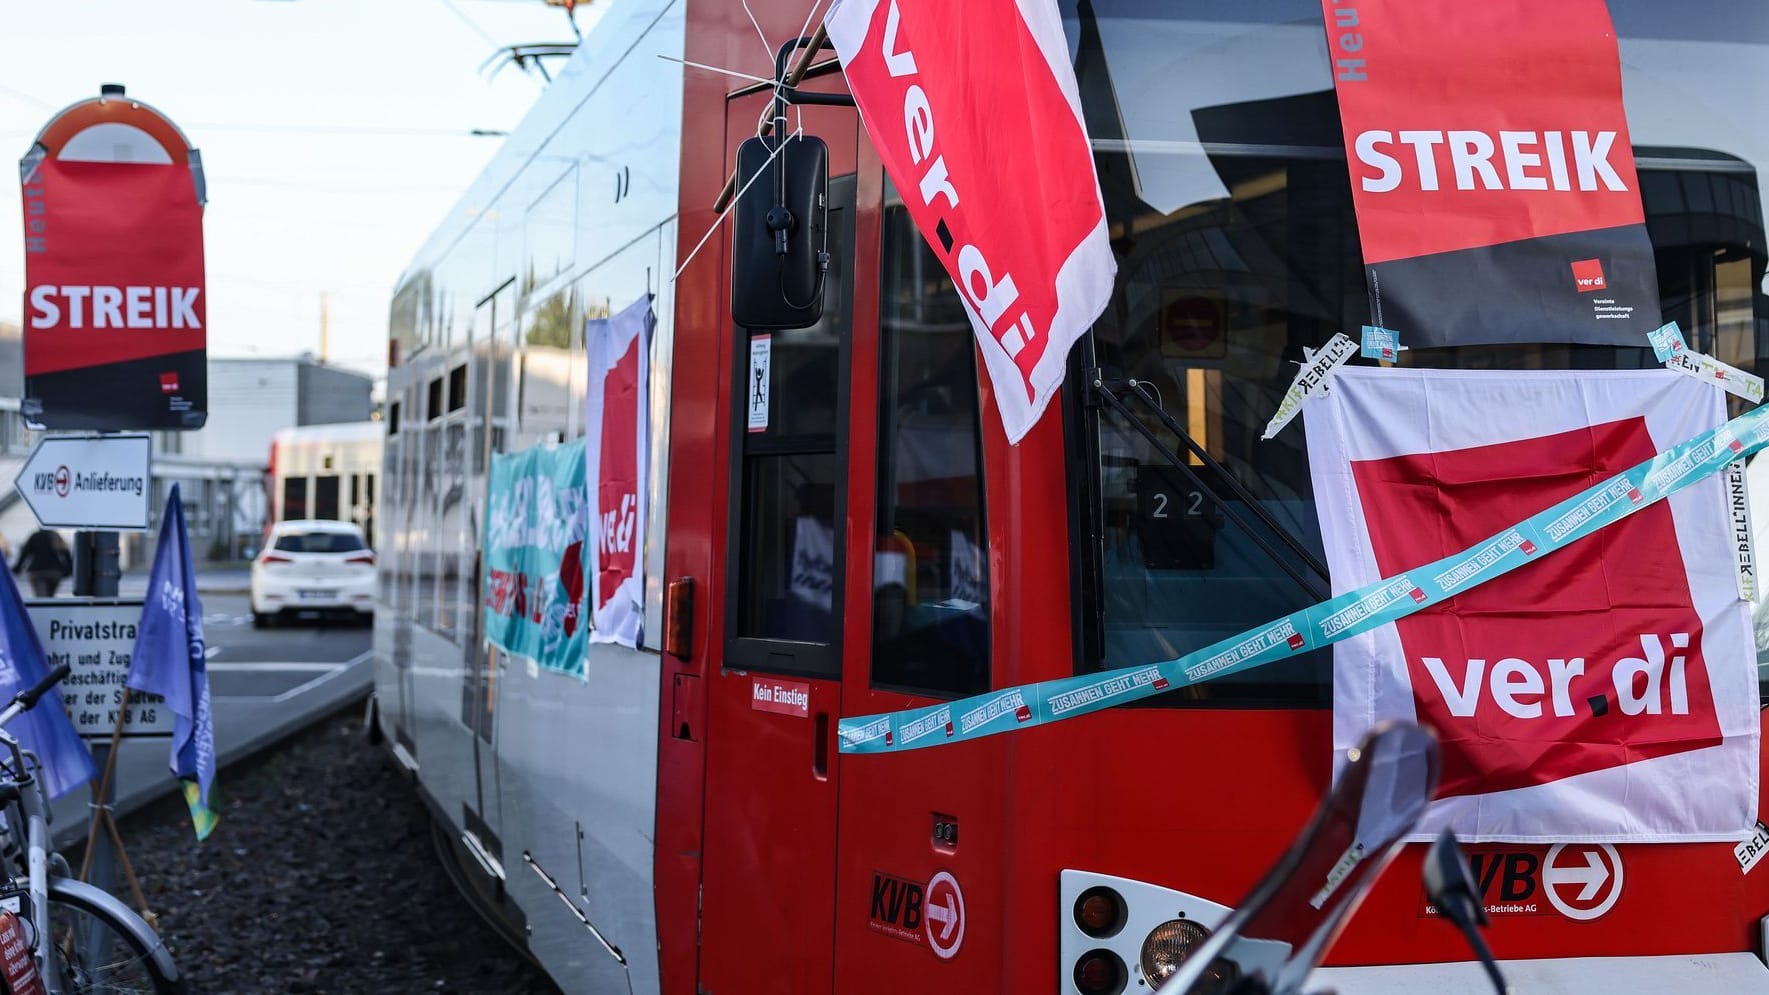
(761, 355)
(782, 697)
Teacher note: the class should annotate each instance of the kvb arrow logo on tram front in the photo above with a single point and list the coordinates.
(944, 915)
(1583, 880)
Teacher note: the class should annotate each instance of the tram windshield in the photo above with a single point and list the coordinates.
(1217, 140)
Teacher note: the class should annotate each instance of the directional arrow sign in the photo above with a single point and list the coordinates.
(1594, 869)
(945, 915)
(88, 482)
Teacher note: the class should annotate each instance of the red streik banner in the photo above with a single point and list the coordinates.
(1492, 171)
(115, 308)
(974, 110)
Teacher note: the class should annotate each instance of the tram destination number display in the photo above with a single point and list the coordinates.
(96, 638)
(1176, 521)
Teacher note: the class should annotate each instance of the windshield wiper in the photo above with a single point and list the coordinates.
(1109, 388)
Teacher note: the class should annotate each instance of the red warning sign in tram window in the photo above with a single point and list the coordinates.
(1492, 171)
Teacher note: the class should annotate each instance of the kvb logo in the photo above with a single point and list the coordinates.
(1583, 880)
(897, 907)
(1587, 275)
(931, 914)
(1580, 881)
(1585, 661)
(945, 915)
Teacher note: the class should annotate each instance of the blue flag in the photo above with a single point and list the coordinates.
(44, 730)
(169, 660)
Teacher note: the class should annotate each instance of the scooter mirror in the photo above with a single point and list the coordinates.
(1450, 888)
(1449, 884)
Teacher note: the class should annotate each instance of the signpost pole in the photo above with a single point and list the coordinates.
(96, 569)
(96, 574)
(99, 865)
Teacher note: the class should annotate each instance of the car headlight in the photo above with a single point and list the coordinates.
(1168, 945)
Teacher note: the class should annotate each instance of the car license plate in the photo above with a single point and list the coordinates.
(315, 594)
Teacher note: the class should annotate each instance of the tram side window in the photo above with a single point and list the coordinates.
(930, 579)
(457, 388)
(788, 458)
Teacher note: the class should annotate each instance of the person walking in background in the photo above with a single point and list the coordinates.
(44, 558)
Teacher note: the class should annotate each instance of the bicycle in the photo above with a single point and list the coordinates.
(97, 944)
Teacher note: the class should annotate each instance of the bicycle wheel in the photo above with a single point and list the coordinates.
(93, 950)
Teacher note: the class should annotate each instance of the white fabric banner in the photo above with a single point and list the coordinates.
(617, 449)
(1608, 693)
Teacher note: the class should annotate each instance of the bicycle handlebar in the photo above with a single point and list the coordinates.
(28, 697)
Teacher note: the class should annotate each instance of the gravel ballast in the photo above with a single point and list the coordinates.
(320, 877)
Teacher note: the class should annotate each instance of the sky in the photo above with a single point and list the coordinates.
(335, 135)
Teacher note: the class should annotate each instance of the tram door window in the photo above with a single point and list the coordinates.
(362, 504)
(930, 622)
(325, 498)
(294, 498)
(786, 590)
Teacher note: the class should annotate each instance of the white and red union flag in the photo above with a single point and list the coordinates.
(1607, 692)
(974, 110)
(617, 433)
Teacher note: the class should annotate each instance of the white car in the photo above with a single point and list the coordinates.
(313, 566)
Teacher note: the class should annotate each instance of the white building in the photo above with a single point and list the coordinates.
(221, 467)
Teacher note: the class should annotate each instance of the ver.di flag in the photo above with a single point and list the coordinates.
(44, 730)
(1607, 693)
(976, 115)
(617, 434)
(169, 660)
(1492, 171)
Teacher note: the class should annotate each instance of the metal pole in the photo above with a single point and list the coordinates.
(96, 570)
(96, 575)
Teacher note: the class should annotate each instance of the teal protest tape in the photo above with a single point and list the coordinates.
(1323, 624)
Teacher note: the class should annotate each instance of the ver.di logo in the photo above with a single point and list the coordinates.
(1587, 275)
(1589, 660)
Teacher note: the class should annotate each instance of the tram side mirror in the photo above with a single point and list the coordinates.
(780, 233)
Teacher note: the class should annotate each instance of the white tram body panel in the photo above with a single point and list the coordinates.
(548, 782)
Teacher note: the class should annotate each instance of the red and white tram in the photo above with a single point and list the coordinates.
(877, 545)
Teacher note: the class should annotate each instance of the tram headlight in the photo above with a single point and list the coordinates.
(1168, 945)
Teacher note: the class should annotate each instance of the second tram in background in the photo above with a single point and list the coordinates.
(327, 472)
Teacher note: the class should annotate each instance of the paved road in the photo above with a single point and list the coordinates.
(263, 685)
